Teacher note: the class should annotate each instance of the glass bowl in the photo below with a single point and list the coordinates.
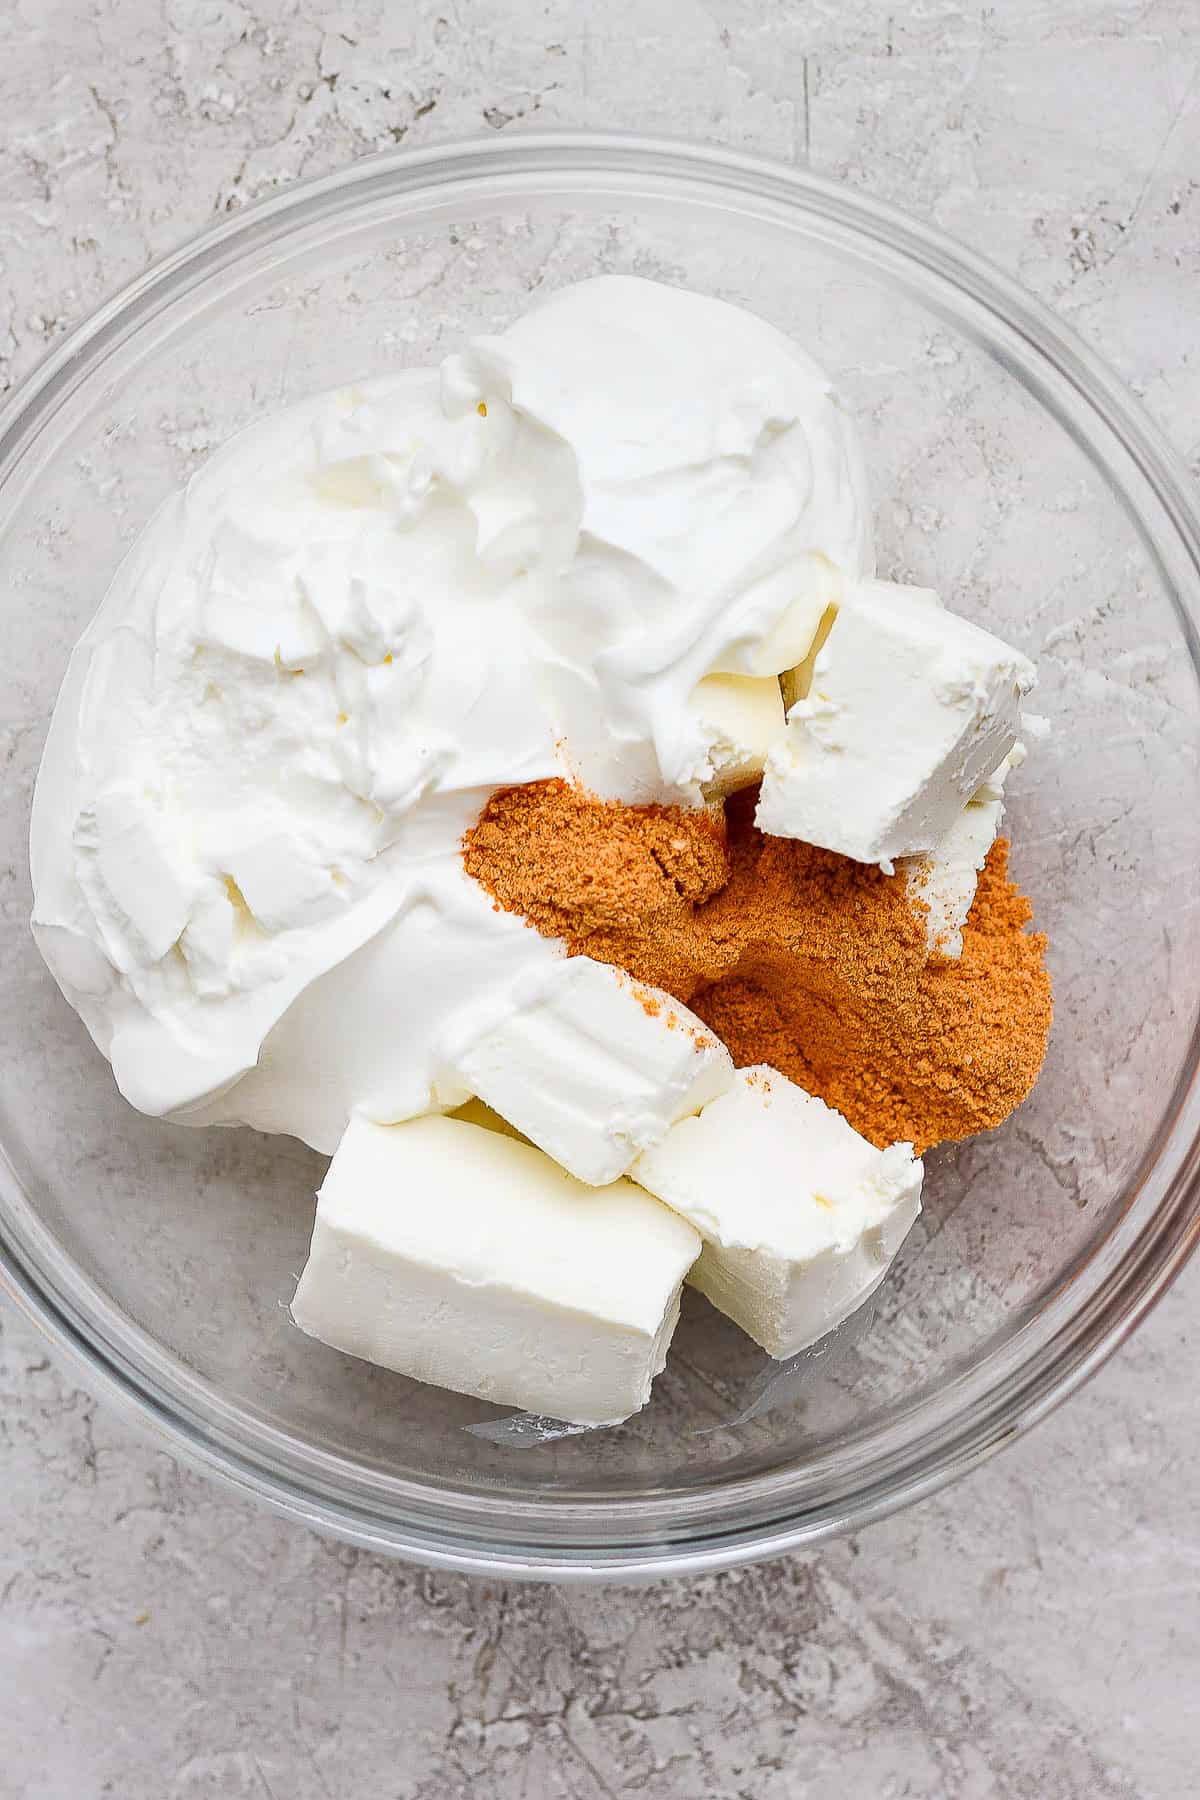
(1009, 470)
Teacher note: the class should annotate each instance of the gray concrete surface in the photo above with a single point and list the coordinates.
(1032, 1633)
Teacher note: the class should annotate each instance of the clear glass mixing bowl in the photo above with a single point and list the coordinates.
(1012, 472)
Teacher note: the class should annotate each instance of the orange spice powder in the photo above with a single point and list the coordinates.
(792, 955)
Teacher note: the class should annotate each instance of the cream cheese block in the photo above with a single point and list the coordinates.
(590, 1065)
(457, 1255)
(910, 708)
(800, 1216)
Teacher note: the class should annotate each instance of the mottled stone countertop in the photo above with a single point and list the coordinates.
(1033, 1632)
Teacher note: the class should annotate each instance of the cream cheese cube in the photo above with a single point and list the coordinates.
(909, 709)
(590, 1065)
(800, 1216)
(459, 1256)
(741, 717)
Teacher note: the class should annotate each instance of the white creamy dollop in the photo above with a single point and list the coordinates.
(361, 618)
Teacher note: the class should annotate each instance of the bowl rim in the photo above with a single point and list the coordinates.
(1046, 1358)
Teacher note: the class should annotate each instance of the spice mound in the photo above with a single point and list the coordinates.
(794, 956)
